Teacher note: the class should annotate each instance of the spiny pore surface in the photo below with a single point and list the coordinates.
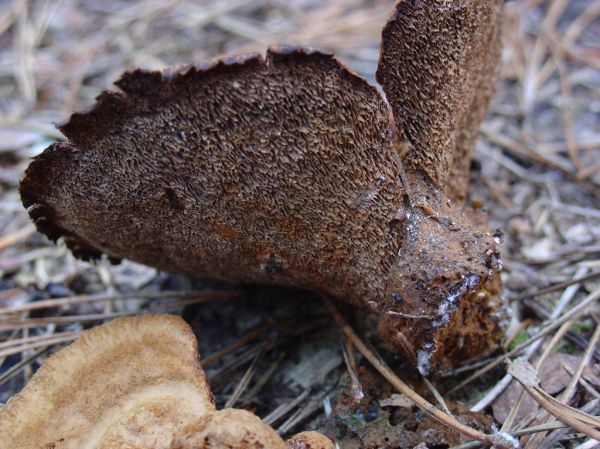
(283, 170)
(438, 66)
(278, 169)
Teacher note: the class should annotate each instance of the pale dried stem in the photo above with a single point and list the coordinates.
(16, 236)
(554, 323)
(82, 299)
(402, 387)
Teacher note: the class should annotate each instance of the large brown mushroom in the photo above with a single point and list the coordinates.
(289, 170)
(135, 383)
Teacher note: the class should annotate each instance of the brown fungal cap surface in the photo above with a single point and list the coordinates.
(236, 429)
(438, 65)
(133, 383)
(283, 170)
(256, 167)
(309, 440)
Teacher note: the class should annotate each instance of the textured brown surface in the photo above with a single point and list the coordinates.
(133, 383)
(249, 165)
(281, 170)
(237, 429)
(310, 440)
(438, 66)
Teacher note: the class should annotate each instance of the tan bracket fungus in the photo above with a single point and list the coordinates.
(135, 383)
(288, 170)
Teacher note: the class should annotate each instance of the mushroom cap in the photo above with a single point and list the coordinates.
(236, 429)
(289, 170)
(438, 68)
(310, 440)
(132, 383)
(277, 169)
(135, 383)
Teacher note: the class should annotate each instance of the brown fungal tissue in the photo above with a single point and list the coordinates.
(288, 170)
(135, 383)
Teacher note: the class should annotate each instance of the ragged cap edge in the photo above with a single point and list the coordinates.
(82, 127)
(113, 336)
(32, 188)
(141, 86)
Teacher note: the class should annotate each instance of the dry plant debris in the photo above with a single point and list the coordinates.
(134, 383)
(536, 167)
(288, 170)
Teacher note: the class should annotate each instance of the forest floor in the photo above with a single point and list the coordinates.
(536, 168)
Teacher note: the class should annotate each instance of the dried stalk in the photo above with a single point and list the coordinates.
(497, 440)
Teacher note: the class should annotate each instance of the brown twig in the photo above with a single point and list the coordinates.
(403, 388)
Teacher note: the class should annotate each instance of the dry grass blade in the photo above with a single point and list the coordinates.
(16, 236)
(585, 360)
(254, 334)
(565, 299)
(243, 383)
(17, 349)
(549, 347)
(285, 408)
(438, 397)
(498, 440)
(16, 368)
(264, 379)
(527, 152)
(578, 420)
(557, 287)
(350, 361)
(557, 435)
(81, 299)
(25, 340)
(584, 383)
(522, 432)
(28, 323)
(566, 395)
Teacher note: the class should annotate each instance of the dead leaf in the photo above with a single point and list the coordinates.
(553, 379)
